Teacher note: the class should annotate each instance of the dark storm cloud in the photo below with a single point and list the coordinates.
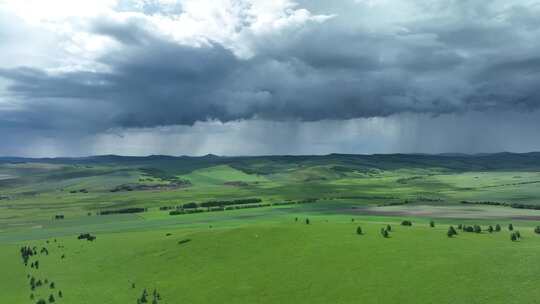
(323, 71)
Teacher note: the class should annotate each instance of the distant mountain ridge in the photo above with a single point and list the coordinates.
(275, 163)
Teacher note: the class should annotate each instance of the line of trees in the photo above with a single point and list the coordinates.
(231, 202)
(194, 207)
(123, 211)
(214, 203)
(512, 205)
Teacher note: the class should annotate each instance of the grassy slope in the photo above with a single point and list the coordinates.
(261, 255)
(281, 261)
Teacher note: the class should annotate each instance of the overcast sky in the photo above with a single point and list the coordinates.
(251, 77)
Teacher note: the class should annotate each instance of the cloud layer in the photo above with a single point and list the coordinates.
(116, 65)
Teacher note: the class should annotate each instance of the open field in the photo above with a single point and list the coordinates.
(267, 253)
(283, 261)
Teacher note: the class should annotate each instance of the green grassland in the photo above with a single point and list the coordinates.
(262, 255)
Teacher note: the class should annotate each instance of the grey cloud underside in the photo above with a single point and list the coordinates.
(334, 70)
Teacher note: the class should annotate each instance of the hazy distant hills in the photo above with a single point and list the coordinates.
(273, 164)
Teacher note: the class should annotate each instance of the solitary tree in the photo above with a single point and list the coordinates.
(451, 231)
(307, 221)
(431, 224)
(513, 237)
(497, 228)
(385, 233)
(359, 230)
(388, 228)
(51, 299)
(510, 227)
(537, 230)
(490, 229)
(518, 235)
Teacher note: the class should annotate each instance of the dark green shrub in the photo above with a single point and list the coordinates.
(451, 231)
(513, 237)
(468, 228)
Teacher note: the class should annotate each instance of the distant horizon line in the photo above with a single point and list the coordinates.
(449, 154)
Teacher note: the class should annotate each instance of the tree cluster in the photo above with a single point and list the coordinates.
(451, 231)
(26, 253)
(511, 205)
(86, 236)
(474, 228)
(145, 297)
(515, 236)
(123, 211)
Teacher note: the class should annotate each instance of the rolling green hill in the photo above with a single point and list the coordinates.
(232, 229)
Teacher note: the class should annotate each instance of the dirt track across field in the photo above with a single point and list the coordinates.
(458, 212)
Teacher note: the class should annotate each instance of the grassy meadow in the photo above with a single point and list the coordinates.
(267, 253)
